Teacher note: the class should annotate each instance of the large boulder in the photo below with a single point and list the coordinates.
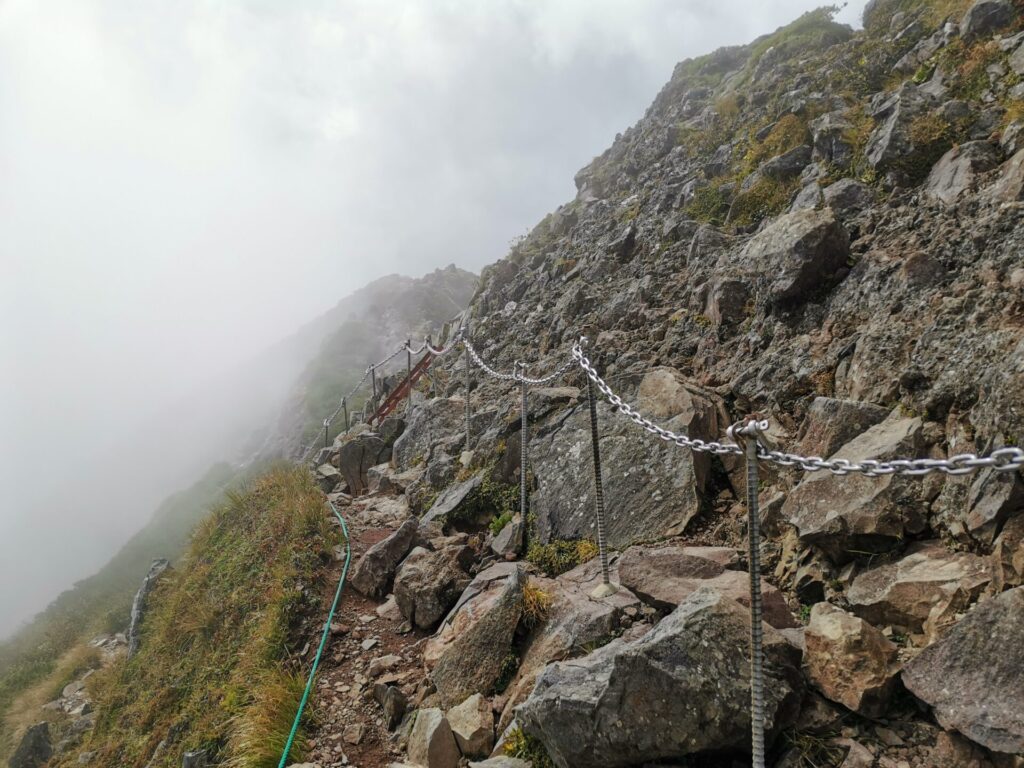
(1009, 187)
(830, 134)
(974, 676)
(356, 456)
(831, 423)
(466, 654)
(431, 743)
(472, 722)
(890, 145)
(650, 487)
(139, 604)
(574, 623)
(34, 748)
(374, 573)
(919, 586)
(796, 255)
(664, 577)
(850, 661)
(429, 583)
(453, 499)
(429, 424)
(848, 197)
(682, 689)
(956, 172)
(848, 515)
(985, 17)
(1008, 556)
(327, 477)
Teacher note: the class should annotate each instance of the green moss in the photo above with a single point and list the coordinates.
(500, 522)
(561, 555)
(525, 747)
(766, 197)
(492, 498)
(709, 204)
(506, 673)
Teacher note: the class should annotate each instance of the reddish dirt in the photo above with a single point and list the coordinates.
(342, 699)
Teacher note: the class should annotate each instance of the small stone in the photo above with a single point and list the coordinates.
(368, 643)
(354, 733)
(473, 726)
(431, 743)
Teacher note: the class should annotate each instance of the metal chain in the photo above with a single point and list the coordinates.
(1001, 460)
(633, 415)
(515, 375)
(452, 343)
(551, 377)
(484, 366)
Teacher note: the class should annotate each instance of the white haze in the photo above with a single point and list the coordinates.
(182, 184)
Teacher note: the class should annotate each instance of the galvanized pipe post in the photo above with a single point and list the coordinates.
(605, 588)
(327, 426)
(408, 373)
(344, 407)
(524, 439)
(466, 359)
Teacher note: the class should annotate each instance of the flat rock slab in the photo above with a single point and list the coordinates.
(974, 676)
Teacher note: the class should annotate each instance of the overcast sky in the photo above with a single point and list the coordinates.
(183, 183)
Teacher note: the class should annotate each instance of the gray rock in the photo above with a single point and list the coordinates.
(848, 196)
(500, 762)
(198, 759)
(956, 172)
(727, 302)
(797, 254)
(1016, 60)
(357, 456)
(431, 743)
(374, 574)
(327, 477)
(1011, 139)
(847, 515)
(664, 577)
(828, 134)
(472, 722)
(1009, 187)
(428, 425)
(510, 539)
(849, 660)
(451, 499)
(992, 499)
(466, 654)
(787, 165)
(985, 17)
(808, 198)
(974, 676)
(1008, 556)
(908, 592)
(138, 613)
(429, 583)
(890, 142)
(831, 423)
(650, 488)
(670, 694)
(392, 702)
(34, 748)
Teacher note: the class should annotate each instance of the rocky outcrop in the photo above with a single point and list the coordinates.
(138, 614)
(374, 574)
(974, 676)
(427, 425)
(431, 743)
(467, 653)
(429, 583)
(796, 255)
(831, 423)
(666, 576)
(667, 695)
(920, 585)
(957, 171)
(849, 515)
(849, 660)
(34, 749)
(366, 450)
(472, 722)
(452, 499)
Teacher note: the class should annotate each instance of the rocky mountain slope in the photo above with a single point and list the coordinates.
(822, 227)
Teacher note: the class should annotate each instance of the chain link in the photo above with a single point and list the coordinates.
(484, 366)
(1006, 459)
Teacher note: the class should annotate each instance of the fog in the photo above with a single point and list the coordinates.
(183, 184)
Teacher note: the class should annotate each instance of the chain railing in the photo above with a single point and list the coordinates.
(748, 437)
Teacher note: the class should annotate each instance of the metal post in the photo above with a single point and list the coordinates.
(751, 430)
(524, 439)
(408, 372)
(327, 425)
(344, 407)
(605, 588)
(373, 377)
(466, 357)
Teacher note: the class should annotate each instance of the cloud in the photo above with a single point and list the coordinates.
(185, 183)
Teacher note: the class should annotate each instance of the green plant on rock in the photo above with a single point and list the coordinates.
(709, 204)
(561, 555)
(766, 197)
(506, 673)
(536, 605)
(499, 522)
(529, 748)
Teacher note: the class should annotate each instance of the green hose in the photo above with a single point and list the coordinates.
(323, 640)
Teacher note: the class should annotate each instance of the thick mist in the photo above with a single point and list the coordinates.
(184, 184)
